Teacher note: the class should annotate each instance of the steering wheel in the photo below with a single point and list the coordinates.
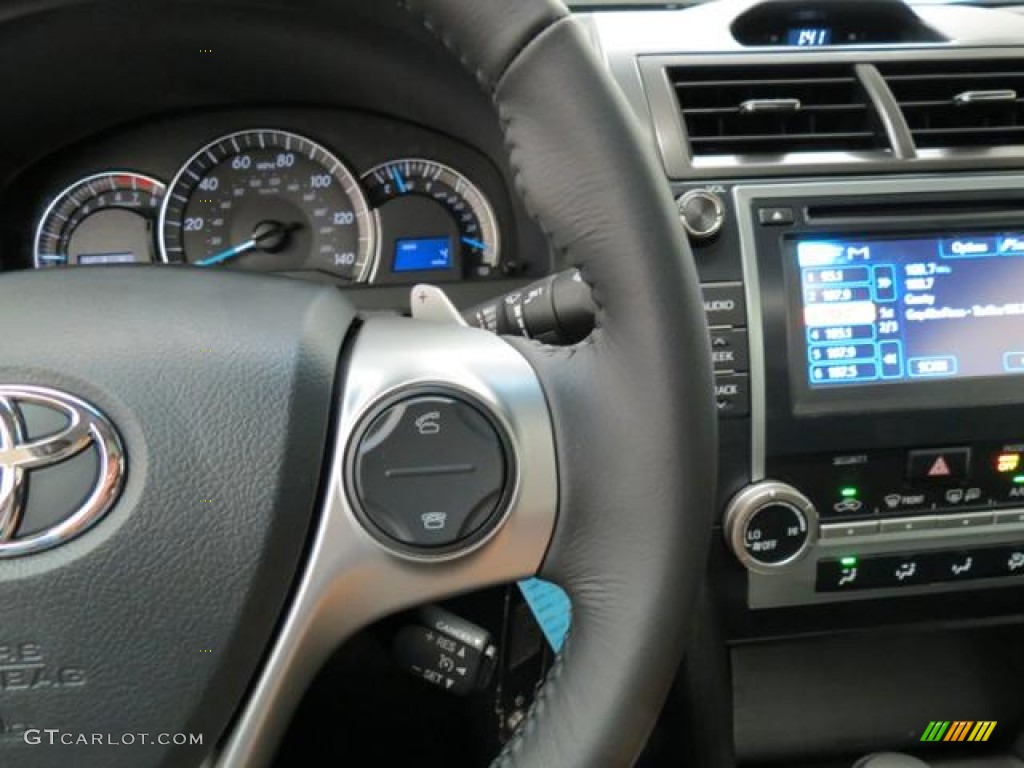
(226, 554)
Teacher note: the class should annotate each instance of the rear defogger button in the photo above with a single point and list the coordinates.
(429, 472)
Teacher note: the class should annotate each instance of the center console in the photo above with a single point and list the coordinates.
(851, 179)
(884, 326)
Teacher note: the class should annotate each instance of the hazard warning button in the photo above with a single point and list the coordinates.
(949, 464)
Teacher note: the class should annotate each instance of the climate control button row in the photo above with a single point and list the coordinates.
(913, 569)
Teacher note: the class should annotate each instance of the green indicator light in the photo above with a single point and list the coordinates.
(848, 493)
(1019, 479)
(848, 561)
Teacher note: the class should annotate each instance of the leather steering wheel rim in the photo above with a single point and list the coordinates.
(633, 413)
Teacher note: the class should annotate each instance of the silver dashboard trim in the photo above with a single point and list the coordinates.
(755, 325)
(350, 580)
(894, 122)
(923, 536)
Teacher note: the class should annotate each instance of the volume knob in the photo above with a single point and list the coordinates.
(770, 525)
(702, 213)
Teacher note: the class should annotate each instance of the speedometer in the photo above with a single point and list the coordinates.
(268, 200)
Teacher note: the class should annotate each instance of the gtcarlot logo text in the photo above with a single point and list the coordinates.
(55, 736)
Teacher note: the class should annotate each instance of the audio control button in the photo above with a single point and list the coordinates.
(724, 304)
(702, 213)
(729, 350)
(776, 217)
(732, 395)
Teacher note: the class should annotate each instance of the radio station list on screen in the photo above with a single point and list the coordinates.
(914, 308)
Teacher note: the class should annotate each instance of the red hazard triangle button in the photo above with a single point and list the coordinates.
(941, 464)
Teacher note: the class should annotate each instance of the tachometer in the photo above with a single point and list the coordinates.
(432, 219)
(268, 200)
(107, 218)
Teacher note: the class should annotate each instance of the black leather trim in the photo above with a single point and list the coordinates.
(469, 31)
(221, 385)
(632, 404)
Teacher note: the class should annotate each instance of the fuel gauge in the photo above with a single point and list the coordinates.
(433, 220)
(108, 218)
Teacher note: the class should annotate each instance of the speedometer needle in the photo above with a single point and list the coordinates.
(231, 252)
(267, 235)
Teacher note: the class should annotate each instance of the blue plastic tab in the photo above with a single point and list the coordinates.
(551, 608)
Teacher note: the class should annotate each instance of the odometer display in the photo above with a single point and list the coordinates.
(268, 200)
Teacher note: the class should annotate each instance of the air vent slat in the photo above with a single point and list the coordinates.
(947, 76)
(826, 110)
(951, 103)
(1009, 129)
(768, 82)
(778, 144)
(804, 108)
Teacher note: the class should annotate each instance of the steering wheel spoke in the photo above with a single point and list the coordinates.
(354, 575)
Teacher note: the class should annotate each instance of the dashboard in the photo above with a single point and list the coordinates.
(369, 201)
(339, 145)
(851, 178)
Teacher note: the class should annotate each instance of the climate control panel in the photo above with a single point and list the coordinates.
(866, 493)
(888, 522)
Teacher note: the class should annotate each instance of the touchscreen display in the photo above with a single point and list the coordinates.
(912, 308)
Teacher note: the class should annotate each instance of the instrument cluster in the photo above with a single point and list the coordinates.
(402, 206)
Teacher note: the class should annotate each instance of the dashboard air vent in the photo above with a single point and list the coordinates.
(775, 109)
(960, 103)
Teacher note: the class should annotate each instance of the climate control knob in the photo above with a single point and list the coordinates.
(770, 525)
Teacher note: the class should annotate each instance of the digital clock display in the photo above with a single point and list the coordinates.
(809, 37)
